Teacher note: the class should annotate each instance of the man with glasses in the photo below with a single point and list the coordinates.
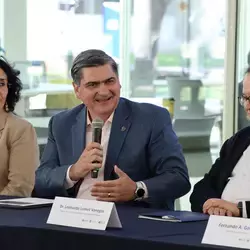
(242, 119)
(225, 189)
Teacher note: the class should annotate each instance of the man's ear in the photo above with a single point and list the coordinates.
(119, 84)
(76, 90)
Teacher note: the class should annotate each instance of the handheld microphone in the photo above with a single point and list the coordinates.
(97, 125)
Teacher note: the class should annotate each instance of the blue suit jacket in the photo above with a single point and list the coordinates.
(147, 150)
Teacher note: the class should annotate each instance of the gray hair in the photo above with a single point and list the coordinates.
(91, 58)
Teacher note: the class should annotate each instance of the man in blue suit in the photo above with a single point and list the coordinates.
(139, 158)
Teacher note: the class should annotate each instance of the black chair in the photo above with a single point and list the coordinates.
(42, 135)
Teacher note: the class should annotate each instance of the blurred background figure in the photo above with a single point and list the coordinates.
(242, 120)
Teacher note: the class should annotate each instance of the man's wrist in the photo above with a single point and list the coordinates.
(69, 183)
(141, 191)
(72, 175)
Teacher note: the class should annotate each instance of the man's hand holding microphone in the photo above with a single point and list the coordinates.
(90, 160)
(92, 157)
(121, 189)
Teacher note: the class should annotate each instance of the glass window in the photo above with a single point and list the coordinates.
(177, 51)
(174, 49)
(54, 41)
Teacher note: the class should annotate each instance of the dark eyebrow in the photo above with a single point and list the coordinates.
(110, 78)
(92, 82)
(98, 82)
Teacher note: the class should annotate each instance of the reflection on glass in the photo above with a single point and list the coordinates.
(69, 28)
(176, 39)
(177, 51)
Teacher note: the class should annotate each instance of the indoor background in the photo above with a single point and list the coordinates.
(194, 51)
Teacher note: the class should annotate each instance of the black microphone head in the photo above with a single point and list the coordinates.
(97, 123)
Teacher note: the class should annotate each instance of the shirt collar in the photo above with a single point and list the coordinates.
(110, 119)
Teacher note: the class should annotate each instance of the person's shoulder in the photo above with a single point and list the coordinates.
(242, 134)
(17, 122)
(69, 114)
(18, 127)
(145, 107)
(239, 138)
(152, 113)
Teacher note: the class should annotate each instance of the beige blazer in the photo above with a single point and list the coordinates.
(19, 155)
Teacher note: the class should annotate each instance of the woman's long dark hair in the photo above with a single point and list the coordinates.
(14, 85)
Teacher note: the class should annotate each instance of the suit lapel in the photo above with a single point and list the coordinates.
(79, 134)
(119, 130)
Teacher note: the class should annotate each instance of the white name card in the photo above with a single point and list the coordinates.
(89, 214)
(227, 231)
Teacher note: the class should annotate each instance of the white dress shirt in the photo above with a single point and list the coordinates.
(87, 184)
(237, 189)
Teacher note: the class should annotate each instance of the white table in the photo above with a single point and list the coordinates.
(43, 88)
(48, 88)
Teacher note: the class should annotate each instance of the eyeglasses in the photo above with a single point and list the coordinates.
(243, 99)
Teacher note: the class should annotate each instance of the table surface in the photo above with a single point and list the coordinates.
(48, 88)
(28, 228)
(43, 122)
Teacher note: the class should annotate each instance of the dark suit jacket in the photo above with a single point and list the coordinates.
(213, 183)
(147, 150)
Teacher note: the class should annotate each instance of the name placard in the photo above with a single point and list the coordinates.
(227, 231)
(89, 214)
